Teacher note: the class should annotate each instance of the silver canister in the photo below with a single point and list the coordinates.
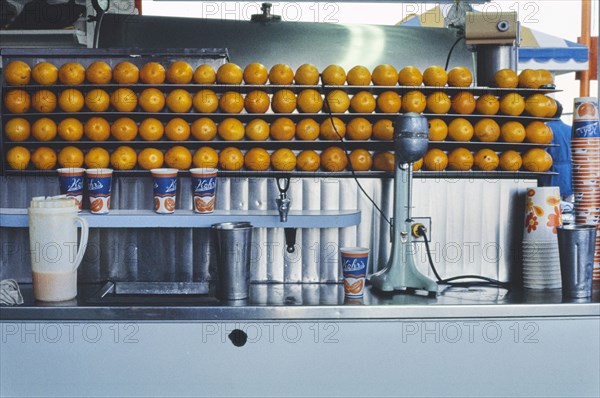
(576, 251)
(234, 240)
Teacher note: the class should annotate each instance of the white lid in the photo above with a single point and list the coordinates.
(52, 202)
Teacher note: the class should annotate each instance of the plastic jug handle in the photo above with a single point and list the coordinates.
(83, 241)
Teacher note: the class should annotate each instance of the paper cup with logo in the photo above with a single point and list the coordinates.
(354, 262)
(204, 187)
(71, 183)
(165, 190)
(99, 187)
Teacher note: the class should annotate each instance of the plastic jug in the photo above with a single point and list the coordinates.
(55, 255)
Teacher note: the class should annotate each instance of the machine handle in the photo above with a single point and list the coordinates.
(83, 241)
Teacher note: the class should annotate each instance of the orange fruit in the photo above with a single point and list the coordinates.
(97, 100)
(97, 157)
(363, 102)
(44, 129)
(308, 160)
(537, 105)
(309, 101)
(177, 129)
(205, 74)
(153, 73)
(180, 72)
(17, 73)
(460, 159)
(152, 100)
(487, 104)
(337, 101)
(123, 158)
(229, 73)
(17, 101)
(552, 107)
(438, 130)
(255, 73)
(151, 129)
(283, 101)
(486, 160)
(70, 129)
(205, 157)
(231, 159)
(438, 102)
(384, 75)
(334, 159)
(435, 159)
(360, 160)
(204, 129)
(435, 76)
(231, 102)
(460, 76)
(537, 160)
(44, 158)
(257, 101)
(460, 129)
(179, 101)
(44, 73)
(414, 101)
(126, 73)
(359, 128)
(17, 129)
(359, 76)
(529, 78)
(512, 104)
(18, 158)
(283, 129)
(71, 73)
(389, 102)
(283, 159)
(332, 128)
(43, 101)
(333, 75)
(546, 76)
(384, 161)
(383, 129)
(96, 129)
(70, 156)
(231, 129)
(98, 72)
(510, 160)
(538, 132)
(506, 78)
(410, 76)
(307, 75)
(257, 130)
(257, 159)
(124, 100)
(205, 101)
(71, 100)
(487, 130)
(418, 165)
(124, 129)
(307, 130)
(512, 132)
(150, 158)
(281, 74)
(463, 103)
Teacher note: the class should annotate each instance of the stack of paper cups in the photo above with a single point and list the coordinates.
(585, 147)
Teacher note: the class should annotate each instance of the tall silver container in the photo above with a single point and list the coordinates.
(234, 240)
(576, 250)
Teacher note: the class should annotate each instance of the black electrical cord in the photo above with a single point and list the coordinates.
(450, 52)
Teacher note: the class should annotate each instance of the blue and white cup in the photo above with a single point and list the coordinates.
(204, 188)
(99, 187)
(354, 262)
(71, 184)
(165, 190)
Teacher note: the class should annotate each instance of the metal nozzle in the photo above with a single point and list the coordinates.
(283, 206)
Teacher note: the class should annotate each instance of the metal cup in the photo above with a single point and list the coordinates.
(234, 240)
(576, 251)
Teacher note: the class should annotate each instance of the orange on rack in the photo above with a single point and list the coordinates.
(18, 158)
(205, 74)
(360, 160)
(205, 157)
(281, 74)
(97, 157)
(255, 73)
(283, 101)
(334, 159)
(438, 102)
(487, 130)
(506, 78)
(283, 159)
(150, 158)
(229, 73)
(460, 159)
(383, 129)
(307, 75)
(97, 100)
(153, 73)
(257, 159)
(70, 156)
(97, 129)
(179, 101)
(309, 101)
(333, 75)
(99, 72)
(205, 101)
(414, 101)
(231, 102)
(435, 159)
(418, 165)
(257, 101)
(510, 160)
(180, 72)
(70, 129)
(177, 129)
(552, 107)
(338, 101)
(384, 161)
(308, 160)
(124, 129)
(71, 73)
(231, 159)
(332, 128)
(17, 101)
(486, 159)
(44, 129)
(389, 102)
(231, 129)
(512, 131)
(71, 100)
(537, 160)
(363, 102)
(359, 128)
(460, 76)
(17, 129)
(487, 104)
(435, 76)
(545, 76)
(538, 132)
(126, 73)
(43, 101)
(124, 100)
(44, 73)
(460, 129)
(204, 129)
(152, 100)
(17, 73)
(410, 76)
(44, 158)
(283, 129)
(438, 130)
(529, 78)
(384, 75)
(463, 103)
(257, 130)
(307, 130)
(151, 129)
(359, 76)
(123, 158)
(537, 105)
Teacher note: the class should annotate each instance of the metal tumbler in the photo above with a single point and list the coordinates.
(576, 251)
(234, 240)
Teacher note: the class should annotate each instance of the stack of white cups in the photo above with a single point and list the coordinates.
(541, 264)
